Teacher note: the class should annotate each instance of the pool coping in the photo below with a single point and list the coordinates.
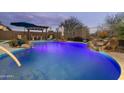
(19, 49)
(13, 51)
(117, 61)
(122, 74)
(113, 58)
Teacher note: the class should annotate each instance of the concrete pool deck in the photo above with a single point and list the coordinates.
(116, 55)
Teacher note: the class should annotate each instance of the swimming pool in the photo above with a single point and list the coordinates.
(60, 61)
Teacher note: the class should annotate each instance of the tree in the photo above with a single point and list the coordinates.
(103, 34)
(71, 25)
(116, 24)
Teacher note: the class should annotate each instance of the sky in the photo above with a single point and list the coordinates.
(53, 19)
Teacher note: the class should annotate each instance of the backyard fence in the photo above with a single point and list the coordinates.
(6, 35)
(9, 35)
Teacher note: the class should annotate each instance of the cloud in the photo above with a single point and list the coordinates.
(39, 18)
(31, 17)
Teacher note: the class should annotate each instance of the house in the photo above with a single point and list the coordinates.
(4, 28)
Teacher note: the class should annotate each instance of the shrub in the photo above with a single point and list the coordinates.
(13, 43)
(80, 39)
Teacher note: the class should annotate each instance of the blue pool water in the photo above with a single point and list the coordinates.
(61, 61)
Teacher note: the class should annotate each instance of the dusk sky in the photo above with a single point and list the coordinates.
(53, 19)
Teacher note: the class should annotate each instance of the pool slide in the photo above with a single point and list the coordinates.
(11, 55)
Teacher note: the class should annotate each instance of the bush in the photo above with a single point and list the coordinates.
(70, 39)
(13, 43)
(79, 39)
